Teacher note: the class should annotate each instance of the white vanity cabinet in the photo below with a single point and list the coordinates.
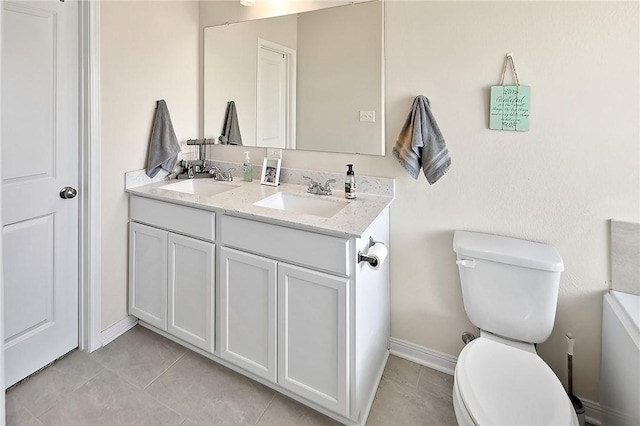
(171, 276)
(300, 333)
(286, 324)
(287, 304)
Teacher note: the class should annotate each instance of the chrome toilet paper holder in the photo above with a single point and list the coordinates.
(371, 260)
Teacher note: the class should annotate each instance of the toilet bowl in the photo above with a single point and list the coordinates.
(498, 384)
(510, 291)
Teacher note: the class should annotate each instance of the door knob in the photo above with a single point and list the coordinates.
(68, 192)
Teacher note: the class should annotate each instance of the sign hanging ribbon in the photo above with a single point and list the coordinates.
(510, 104)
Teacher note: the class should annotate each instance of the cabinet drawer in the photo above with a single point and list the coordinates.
(181, 219)
(317, 251)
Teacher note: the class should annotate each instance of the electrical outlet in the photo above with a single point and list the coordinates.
(274, 153)
(368, 116)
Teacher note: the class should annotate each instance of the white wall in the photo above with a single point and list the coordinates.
(149, 51)
(559, 183)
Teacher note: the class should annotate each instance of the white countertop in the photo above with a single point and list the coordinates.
(351, 221)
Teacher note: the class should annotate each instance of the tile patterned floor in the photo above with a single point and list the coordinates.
(142, 378)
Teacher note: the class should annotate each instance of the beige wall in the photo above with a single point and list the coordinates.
(148, 52)
(339, 74)
(230, 67)
(559, 183)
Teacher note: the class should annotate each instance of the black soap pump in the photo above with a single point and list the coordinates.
(350, 183)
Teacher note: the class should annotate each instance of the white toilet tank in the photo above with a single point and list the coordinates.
(509, 286)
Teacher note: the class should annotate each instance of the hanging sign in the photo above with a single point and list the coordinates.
(510, 104)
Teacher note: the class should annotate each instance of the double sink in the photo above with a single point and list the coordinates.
(284, 201)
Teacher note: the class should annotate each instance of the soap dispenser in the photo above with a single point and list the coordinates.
(350, 183)
(246, 168)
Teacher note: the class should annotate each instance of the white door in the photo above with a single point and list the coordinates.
(191, 290)
(276, 96)
(39, 157)
(148, 247)
(248, 312)
(312, 336)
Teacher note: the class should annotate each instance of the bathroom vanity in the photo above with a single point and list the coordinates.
(275, 293)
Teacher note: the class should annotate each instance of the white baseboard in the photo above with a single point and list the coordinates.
(592, 412)
(118, 329)
(447, 364)
(423, 356)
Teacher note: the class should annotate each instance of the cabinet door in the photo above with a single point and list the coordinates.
(248, 312)
(148, 274)
(312, 336)
(191, 280)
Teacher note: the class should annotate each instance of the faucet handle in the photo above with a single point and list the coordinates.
(311, 181)
(327, 186)
(314, 186)
(228, 173)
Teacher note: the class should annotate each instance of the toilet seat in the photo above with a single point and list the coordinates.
(498, 384)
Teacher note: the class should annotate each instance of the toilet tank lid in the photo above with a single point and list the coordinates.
(508, 250)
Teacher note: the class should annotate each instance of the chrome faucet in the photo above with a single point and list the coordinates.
(319, 189)
(218, 174)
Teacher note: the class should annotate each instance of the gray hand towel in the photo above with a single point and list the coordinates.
(230, 127)
(420, 144)
(163, 145)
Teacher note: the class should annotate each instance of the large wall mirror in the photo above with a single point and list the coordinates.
(309, 81)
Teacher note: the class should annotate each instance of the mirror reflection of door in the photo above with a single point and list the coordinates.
(276, 94)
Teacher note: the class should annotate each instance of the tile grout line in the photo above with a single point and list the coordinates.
(33, 415)
(163, 371)
(266, 408)
(419, 377)
(71, 392)
(399, 381)
(68, 395)
(52, 367)
(184, 418)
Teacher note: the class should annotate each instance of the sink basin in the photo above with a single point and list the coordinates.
(205, 187)
(313, 205)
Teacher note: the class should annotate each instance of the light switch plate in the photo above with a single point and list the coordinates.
(274, 152)
(368, 116)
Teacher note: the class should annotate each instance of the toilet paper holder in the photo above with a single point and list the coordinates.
(364, 258)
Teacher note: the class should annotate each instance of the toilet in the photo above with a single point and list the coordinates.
(510, 292)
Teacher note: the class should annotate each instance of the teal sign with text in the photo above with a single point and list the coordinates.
(510, 108)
